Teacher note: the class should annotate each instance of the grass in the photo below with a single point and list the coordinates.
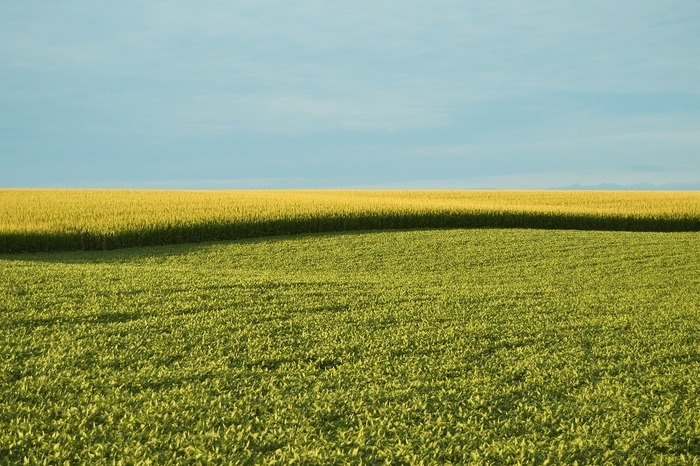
(466, 346)
(53, 220)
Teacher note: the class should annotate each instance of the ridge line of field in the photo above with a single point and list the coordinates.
(218, 230)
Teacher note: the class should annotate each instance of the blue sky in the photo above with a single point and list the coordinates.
(349, 94)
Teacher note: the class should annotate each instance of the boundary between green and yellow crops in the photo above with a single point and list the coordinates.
(53, 220)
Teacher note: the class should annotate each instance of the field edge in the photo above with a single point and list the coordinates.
(217, 230)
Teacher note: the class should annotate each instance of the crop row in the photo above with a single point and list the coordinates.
(51, 220)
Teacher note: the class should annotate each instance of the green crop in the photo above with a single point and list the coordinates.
(48, 220)
(483, 346)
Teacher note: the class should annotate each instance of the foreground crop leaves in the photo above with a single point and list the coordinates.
(462, 346)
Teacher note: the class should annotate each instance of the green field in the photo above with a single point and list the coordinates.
(484, 346)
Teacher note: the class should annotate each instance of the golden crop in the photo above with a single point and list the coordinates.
(31, 216)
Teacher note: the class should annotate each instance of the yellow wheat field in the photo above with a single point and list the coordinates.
(52, 220)
(104, 211)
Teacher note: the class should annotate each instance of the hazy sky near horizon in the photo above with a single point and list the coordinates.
(359, 94)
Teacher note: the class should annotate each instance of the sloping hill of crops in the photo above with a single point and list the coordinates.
(49, 220)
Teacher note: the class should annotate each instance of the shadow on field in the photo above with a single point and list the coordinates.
(156, 252)
(37, 242)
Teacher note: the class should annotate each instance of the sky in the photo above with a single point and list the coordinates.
(349, 94)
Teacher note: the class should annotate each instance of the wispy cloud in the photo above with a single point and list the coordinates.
(358, 93)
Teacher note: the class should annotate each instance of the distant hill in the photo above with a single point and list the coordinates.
(635, 187)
